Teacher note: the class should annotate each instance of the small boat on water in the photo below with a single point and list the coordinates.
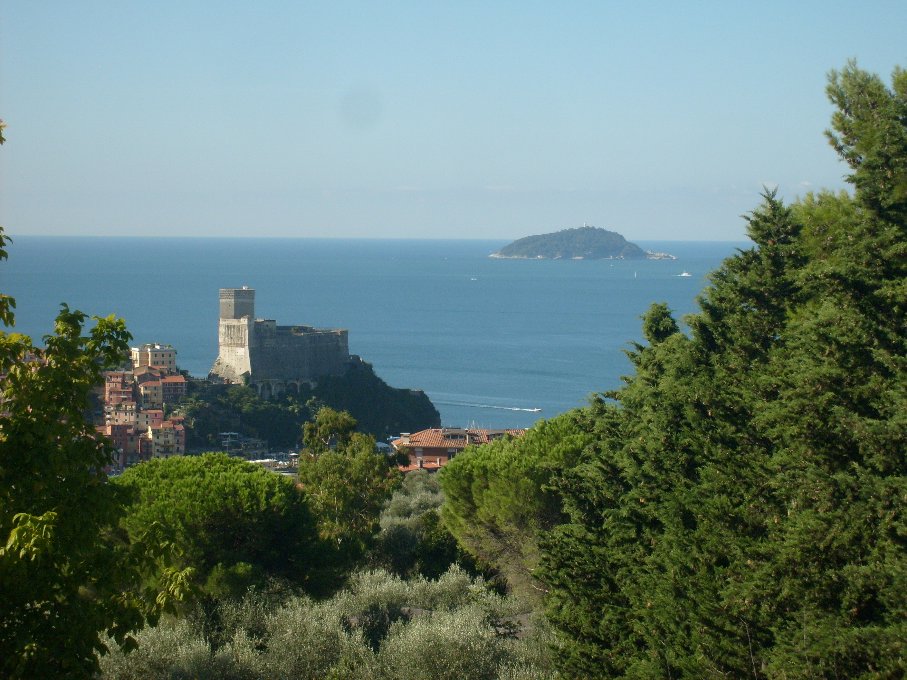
(684, 274)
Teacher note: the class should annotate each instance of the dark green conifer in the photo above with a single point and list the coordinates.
(740, 513)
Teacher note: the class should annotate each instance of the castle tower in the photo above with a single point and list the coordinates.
(235, 334)
(268, 356)
(235, 303)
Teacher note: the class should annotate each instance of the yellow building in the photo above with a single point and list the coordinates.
(156, 356)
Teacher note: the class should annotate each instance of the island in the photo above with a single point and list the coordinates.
(582, 243)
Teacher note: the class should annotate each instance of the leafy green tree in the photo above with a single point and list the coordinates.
(870, 135)
(740, 513)
(346, 486)
(234, 522)
(330, 429)
(66, 573)
(498, 500)
(212, 409)
(413, 538)
(658, 324)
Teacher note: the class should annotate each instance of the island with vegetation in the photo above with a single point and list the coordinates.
(582, 243)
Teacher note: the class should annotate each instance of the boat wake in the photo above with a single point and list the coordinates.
(500, 408)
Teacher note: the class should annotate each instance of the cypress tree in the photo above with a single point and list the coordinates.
(741, 511)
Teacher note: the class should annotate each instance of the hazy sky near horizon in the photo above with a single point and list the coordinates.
(659, 120)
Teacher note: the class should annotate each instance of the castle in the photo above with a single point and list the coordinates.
(269, 357)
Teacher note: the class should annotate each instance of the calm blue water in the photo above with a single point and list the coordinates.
(480, 336)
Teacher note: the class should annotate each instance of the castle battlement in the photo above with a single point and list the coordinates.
(272, 357)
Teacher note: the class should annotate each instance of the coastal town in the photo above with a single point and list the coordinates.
(139, 404)
(134, 402)
(139, 413)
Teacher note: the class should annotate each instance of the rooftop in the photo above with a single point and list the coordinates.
(453, 437)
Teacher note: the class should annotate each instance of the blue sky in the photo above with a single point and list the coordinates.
(659, 120)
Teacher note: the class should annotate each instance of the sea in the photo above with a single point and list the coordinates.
(494, 343)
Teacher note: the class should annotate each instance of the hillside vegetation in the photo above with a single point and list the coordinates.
(379, 409)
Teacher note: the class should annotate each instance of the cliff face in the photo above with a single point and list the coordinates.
(381, 410)
(586, 243)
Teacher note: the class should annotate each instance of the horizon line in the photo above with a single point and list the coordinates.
(186, 237)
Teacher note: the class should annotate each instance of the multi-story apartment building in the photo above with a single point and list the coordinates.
(152, 417)
(156, 356)
(130, 444)
(168, 440)
(173, 388)
(151, 394)
(120, 414)
(118, 387)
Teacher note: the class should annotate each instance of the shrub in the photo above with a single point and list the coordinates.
(443, 645)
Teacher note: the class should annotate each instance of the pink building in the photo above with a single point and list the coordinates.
(173, 388)
(130, 445)
(118, 387)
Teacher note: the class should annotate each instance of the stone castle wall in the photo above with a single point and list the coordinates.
(235, 338)
(265, 354)
(298, 353)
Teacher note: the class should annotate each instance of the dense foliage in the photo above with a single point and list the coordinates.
(413, 539)
(378, 628)
(741, 511)
(346, 482)
(66, 573)
(329, 429)
(235, 523)
(498, 500)
(211, 409)
(590, 243)
(379, 409)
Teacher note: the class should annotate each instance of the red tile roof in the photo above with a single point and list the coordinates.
(452, 438)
